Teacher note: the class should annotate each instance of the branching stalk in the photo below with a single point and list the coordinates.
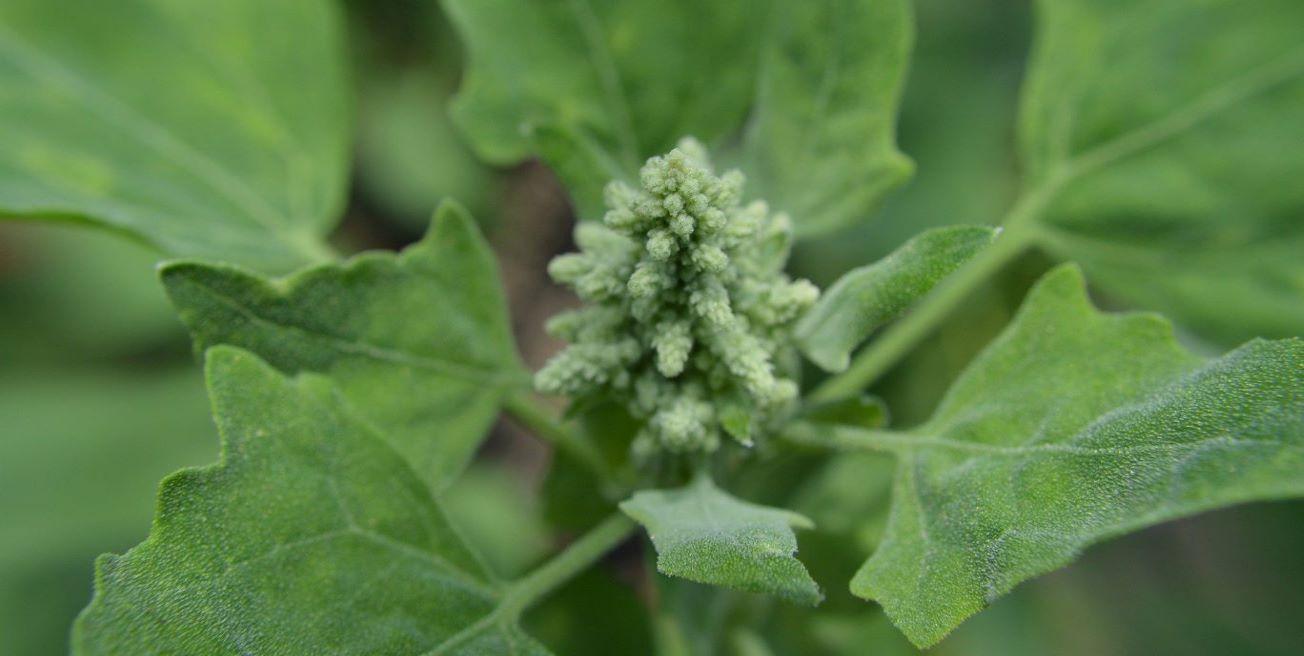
(534, 417)
(574, 559)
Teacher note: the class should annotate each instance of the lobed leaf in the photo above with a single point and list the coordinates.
(418, 343)
(1161, 128)
(594, 87)
(864, 299)
(196, 127)
(1072, 427)
(703, 534)
(311, 535)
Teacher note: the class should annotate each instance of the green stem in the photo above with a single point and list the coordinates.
(898, 340)
(533, 416)
(574, 559)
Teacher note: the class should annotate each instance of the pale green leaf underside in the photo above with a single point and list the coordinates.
(1170, 131)
(1072, 427)
(310, 536)
(868, 297)
(594, 87)
(703, 534)
(418, 342)
(197, 127)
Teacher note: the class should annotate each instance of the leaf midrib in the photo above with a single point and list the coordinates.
(1176, 123)
(366, 349)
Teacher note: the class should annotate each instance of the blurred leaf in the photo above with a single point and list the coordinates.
(864, 299)
(409, 155)
(374, 569)
(70, 295)
(1072, 427)
(498, 517)
(1161, 127)
(198, 128)
(705, 535)
(596, 88)
(863, 411)
(418, 342)
(568, 620)
(80, 456)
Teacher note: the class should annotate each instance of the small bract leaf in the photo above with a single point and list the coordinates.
(196, 127)
(1072, 427)
(1161, 126)
(868, 297)
(596, 88)
(418, 342)
(703, 534)
(312, 535)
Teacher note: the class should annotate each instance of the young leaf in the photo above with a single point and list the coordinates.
(1160, 127)
(311, 535)
(596, 88)
(196, 127)
(418, 342)
(1072, 427)
(703, 534)
(864, 299)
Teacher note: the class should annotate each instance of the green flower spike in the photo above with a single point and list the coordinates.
(686, 306)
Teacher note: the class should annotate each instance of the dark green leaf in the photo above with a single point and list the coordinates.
(311, 535)
(1072, 427)
(594, 88)
(1166, 130)
(418, 342)
(703, 534)
(864, 299)
(197, 127)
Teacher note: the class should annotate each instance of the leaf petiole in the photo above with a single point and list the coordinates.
(577, 557)
(533, 416)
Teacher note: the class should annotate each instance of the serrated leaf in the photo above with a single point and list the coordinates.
(1160, 126)
(196, 127)
(418, 342)
(1072, 427)
(311, 535)
(703, 534)
(868, 297)
(594, 88)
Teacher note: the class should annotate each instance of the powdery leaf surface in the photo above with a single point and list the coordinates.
(703, 534)
(418, 343)
(1072, 427)
(312, 535)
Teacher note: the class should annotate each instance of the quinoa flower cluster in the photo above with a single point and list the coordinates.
(686, 307)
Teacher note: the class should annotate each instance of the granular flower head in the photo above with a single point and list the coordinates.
(686, 306)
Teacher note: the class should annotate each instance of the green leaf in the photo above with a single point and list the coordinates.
(418, 342)
(1159, 127)
(594, 88)
(311, 535)
(703, 534)
(1072, 427)
(864, 299)
(196, 127)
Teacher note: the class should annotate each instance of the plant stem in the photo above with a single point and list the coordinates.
(530, 414)
(574, 559)
(898, 340)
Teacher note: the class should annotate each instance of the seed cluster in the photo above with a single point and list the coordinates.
(686, 306)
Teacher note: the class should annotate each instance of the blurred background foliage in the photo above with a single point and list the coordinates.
(100, 396)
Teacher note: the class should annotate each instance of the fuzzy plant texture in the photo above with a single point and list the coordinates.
(688, 314)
